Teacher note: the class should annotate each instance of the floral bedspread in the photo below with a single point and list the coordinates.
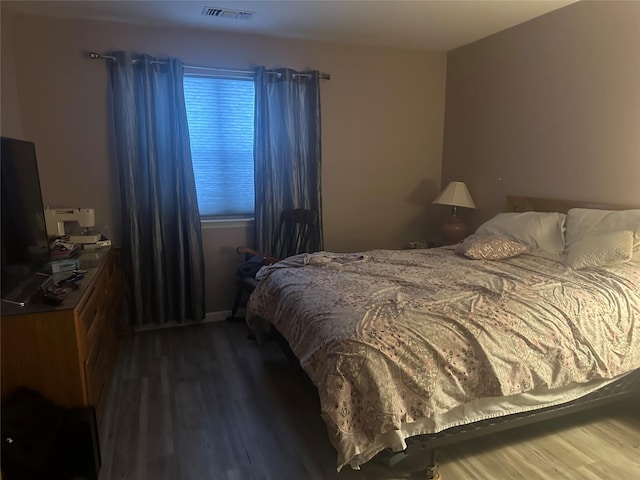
(389, 337)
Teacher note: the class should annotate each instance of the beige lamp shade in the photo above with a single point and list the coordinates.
(455, 195)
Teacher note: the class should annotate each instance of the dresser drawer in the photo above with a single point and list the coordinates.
(98, 366)
(92, 313)
(95, 367)
(110, 268)
(100, 317)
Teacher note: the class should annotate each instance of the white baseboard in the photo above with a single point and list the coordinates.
(216, 316)
(208, 318)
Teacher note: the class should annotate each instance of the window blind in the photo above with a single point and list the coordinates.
(220, 113)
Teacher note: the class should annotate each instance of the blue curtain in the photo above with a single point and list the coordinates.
(162, 243)
(288, 155)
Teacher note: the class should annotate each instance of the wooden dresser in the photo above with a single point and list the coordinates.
(67, 352)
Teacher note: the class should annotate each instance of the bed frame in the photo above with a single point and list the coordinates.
(624, 388)
(537, 204)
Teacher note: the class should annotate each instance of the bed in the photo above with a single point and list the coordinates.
(536, 314)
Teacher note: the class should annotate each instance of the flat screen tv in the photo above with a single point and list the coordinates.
(25, 246)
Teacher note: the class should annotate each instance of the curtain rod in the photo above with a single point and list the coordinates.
(99, 56)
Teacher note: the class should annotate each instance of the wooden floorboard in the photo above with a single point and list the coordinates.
(203, 402)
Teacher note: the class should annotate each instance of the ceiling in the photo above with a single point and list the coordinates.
(422, 24)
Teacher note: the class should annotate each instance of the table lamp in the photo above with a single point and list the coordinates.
(456, 195)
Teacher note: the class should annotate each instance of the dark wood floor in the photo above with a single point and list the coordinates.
(202, 402)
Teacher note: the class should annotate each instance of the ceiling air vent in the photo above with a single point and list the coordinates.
(227, 13)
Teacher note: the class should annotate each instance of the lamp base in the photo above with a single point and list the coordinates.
(453, 231)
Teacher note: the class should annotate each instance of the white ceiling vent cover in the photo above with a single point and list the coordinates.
(227, 13)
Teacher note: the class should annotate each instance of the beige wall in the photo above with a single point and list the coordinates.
(382, 127)
(10, 121)
(548, 108)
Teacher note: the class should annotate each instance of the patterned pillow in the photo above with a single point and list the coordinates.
(490, 247)
(601, 250)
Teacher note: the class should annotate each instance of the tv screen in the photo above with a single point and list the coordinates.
(25, 246)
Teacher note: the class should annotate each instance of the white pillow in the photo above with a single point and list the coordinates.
(601, 250)
(589, 222)
(543, 230)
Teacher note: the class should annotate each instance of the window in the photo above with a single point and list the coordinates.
(220, 114)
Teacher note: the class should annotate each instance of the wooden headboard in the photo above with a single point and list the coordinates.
(526, 204)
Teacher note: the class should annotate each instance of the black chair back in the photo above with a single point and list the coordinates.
(296, 227)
